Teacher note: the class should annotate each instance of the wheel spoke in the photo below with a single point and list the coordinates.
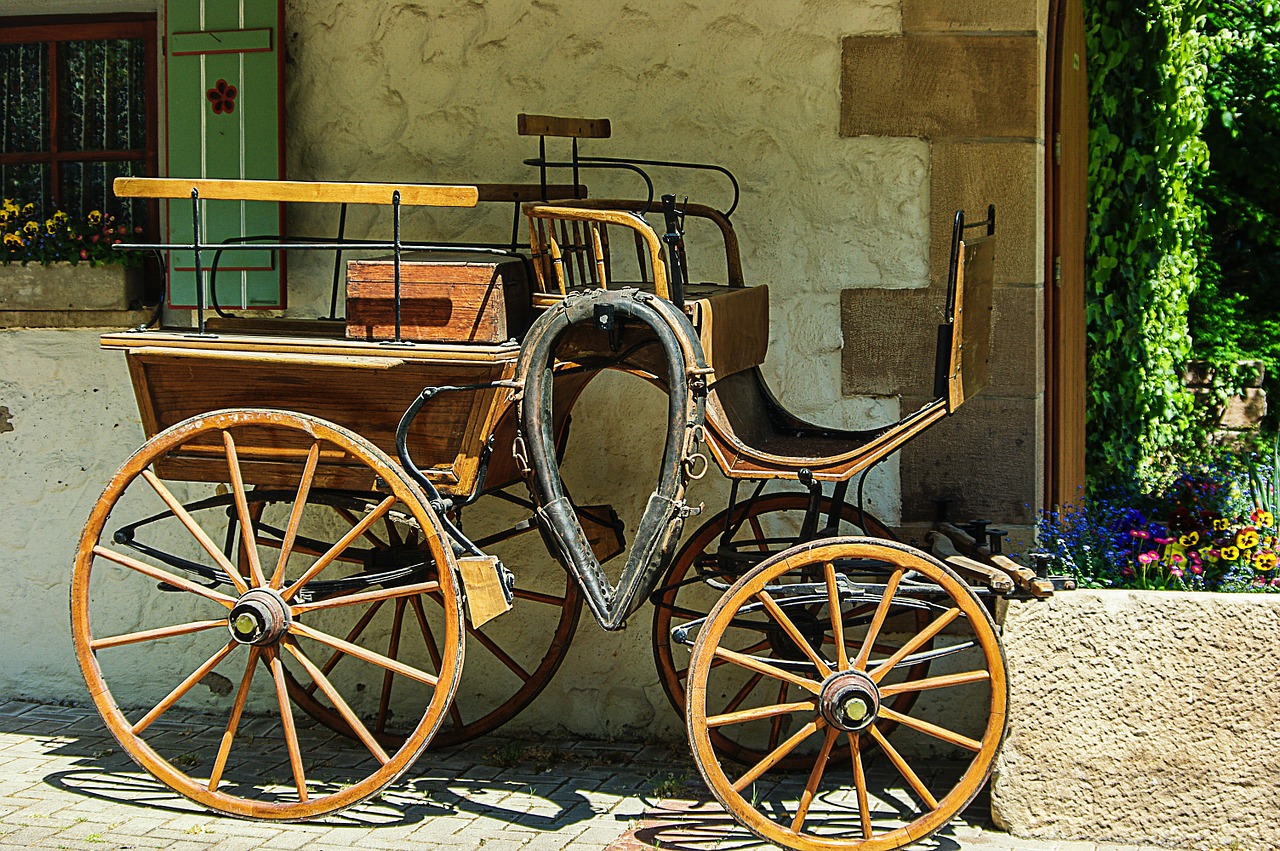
(237, 709)
(433, 650)
(242, 511)
(378, 596)
(393, 534)
(163, 575)
(918, 641)
(837, 619)
(153, 634)
(393, 652)
(860, 784)
(775, 731)
(815, 777)
(363, 654)
(502, 656)
(355, 633)
(905, 770)
(771, 759)
(183, 687)
(683, 673)
(295, 515)
(877, 620)
(753, 664)
(757, 713)
(357, 726)
(286, 721)
(793, 632)
(338, 548)
(949, 736)
(196, 531)
(758, 530)
(944, 681)
(538, 597)
(741, 696)
(492, 646)
(351, 518)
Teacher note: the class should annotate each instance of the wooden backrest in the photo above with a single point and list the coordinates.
(571, 244)
(550, 125)
(968, 349)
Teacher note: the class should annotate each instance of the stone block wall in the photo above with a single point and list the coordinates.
(968, 79)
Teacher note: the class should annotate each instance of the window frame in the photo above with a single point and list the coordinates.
(53, 29)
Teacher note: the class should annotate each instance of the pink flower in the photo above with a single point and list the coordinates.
(1141, 534)
(1197, 569)
(1176, 558)
(1148, 557)
(1163, 541)
(84, 254)
(1176, 571)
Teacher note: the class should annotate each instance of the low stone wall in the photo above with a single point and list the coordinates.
(1143, 717)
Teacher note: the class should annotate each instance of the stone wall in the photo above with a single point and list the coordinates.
(968, 79)
(1143, 717)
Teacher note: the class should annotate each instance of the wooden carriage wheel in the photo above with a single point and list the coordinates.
(839, 697)
(763, 526)
(140, 613)
(505, 671)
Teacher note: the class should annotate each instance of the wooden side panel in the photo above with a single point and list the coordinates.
(224, 67)
(973, 321)
(446, 439)
(1066, 184)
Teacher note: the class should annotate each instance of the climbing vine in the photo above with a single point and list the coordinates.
(1147, 109)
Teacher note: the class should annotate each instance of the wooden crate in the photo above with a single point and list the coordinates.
(446, 297)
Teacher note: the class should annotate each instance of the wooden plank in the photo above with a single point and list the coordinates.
(522, 192)
(297, 191)
(442, 353)
(550, 125)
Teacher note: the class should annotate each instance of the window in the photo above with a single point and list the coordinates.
(77, 110)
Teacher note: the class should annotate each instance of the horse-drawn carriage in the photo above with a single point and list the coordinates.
(294, 520)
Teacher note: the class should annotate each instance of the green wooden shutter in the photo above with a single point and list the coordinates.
(224, 62)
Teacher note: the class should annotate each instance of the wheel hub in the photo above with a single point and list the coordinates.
(849, 701)
(260, 616)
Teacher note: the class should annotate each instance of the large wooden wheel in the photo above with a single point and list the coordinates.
(839, 693)
(201, 614)
(758, 529)
(509, 660)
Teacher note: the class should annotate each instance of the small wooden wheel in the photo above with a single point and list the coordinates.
(506, 667)
(839, 696)
(758, 529)
(164, 586)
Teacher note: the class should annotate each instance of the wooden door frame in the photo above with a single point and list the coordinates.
(1063, 299)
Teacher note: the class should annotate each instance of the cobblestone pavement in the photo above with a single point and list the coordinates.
(64, 783)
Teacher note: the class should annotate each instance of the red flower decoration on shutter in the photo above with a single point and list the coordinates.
(223, 97)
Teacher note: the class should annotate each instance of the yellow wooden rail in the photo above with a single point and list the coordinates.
(297, 191)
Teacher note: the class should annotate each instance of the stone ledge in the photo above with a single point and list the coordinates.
(1143, 717)
(11, 320)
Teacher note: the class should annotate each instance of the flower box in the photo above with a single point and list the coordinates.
(64, 287)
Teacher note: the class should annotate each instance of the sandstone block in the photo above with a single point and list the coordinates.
(970, 175)
(986, 459)
(940, 85)
(920, 16)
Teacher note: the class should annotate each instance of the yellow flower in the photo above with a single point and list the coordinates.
(12, 240)
(1230, 553)
(1190, 539)
(1266, 518)
(61, 217)
(28, 209)
(1247, 538)
(1265, 561)
(10, 207)
(31, 228)
(1220, 525)
(94, 217)
(50, 227)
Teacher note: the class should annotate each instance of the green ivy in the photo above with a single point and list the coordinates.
(1147, 109)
